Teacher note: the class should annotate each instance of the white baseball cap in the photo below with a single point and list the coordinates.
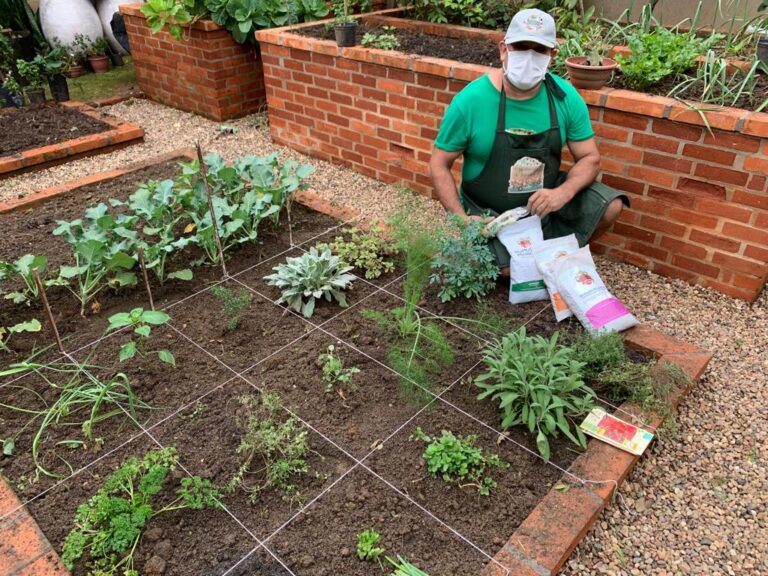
(532, 25)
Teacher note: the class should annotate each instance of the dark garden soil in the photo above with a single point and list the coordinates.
(468, 50)
(34, 127)
(196, 408)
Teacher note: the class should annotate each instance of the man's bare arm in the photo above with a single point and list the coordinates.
(440, 165)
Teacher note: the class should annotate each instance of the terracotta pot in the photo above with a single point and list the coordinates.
(345, 34)
(99, 64)
(582, 75)
(75, 71)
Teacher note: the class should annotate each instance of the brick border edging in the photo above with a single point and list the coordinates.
(120, 134)
(545, 539)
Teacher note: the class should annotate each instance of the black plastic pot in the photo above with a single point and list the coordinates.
(117, 59)
(8, 98)
(345, 34)
(23, 44)
(35, 96)
(59, 87)
(762, 48)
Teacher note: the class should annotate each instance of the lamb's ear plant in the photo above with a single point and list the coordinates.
(464, 265)
(538, 384)
(233, 303)
(367, 545)
(456, 460)
(141, 321)
(272, 450)
(314, 275)
(108, 527)
(334, 373)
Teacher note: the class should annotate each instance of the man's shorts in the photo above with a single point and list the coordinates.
(580, 216)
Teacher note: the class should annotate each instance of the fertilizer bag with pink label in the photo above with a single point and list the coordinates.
(586, 295)
(525, 281)
(545, 255)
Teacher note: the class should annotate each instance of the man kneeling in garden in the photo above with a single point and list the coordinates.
(520, 111)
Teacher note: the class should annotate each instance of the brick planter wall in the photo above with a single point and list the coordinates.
(206, 72)
(699, 198)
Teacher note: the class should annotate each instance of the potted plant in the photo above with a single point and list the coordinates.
(344, 26)
(76, 55)
(97, 55)
(586, 60)
(54, 64)
(33, 78)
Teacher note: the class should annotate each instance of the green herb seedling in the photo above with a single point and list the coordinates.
(367, 548)
(142, 321)
(334, 371)
(234, 303)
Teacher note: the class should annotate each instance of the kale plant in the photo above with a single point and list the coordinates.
(538, 384)
(234, 303)
(141, 321)
(367, 545)
(367, 251)
(307, 278)
(334, 371)
(464, 265)
(272, 450)
(109, 526)
(456, 460)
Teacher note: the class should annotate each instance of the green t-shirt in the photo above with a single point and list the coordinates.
(469, 123)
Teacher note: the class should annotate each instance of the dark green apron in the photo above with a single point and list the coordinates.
(487, 193)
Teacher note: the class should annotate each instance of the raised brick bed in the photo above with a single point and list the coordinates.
(119, 135)
(699, 197)
(206, 72)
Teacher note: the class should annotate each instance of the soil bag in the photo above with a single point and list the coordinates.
(525, 281)
(545, 255)
(586, 295)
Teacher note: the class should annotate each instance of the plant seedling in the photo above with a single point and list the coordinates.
(334, 371)
(457, 461)
(7, 331)
(234, 303)
(142, 321)
(367, 548)
(366, 251)
(405, 568)
(108, 527)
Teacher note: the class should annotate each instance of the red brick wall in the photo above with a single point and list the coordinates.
(205, 72)
(699, 199)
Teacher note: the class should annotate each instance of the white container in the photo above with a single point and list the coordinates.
(62, 20)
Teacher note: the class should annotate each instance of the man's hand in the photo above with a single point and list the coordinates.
(548, 200)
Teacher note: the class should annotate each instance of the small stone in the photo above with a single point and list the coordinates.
(345, 552)
(153, 534)
(306, 561)
(705, 541)
(154, 566)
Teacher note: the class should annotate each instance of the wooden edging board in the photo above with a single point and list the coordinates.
(119, 135)
(540, 545)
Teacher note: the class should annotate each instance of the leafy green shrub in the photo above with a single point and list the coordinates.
(461, 12)
(272, 450)
(310, 277)
(32, 73)
(334, 371)
(660, 53)
(457, 461)
(465, 265)
(380, 41)
(537, 384)
(234, 303)
(171, 14)
(599, 352)
(108, 527)
(243, 17)
(367, 548)
(367, 251)
(141, 321)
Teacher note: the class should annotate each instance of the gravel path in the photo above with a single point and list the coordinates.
(697, 504)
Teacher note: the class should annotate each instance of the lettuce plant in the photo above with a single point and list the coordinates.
(538, 384)
(310, 277)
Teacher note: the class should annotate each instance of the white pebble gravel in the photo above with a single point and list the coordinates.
(697, 503)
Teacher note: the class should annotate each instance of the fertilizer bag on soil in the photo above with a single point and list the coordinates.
(525, 281)
(585, 293)
(545, 255)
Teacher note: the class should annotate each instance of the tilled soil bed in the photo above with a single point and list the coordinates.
(33, 127)
(365, 467)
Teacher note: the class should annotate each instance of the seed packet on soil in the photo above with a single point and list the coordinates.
(615, 432)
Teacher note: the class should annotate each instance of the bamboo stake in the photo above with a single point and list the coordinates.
(146, 278)
(44, 298)
(204, 174)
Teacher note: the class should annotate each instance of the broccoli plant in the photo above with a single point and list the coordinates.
(24, 269)
(334, 371)
(457, 461)
(6, 332)
(142, 321)
(465, 265)
(310, 277)
(109, 526)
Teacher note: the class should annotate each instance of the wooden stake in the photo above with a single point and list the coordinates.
(146, 278)
(204, 174)
(43, 297)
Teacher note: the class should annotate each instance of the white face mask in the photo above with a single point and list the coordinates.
(526, 68)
